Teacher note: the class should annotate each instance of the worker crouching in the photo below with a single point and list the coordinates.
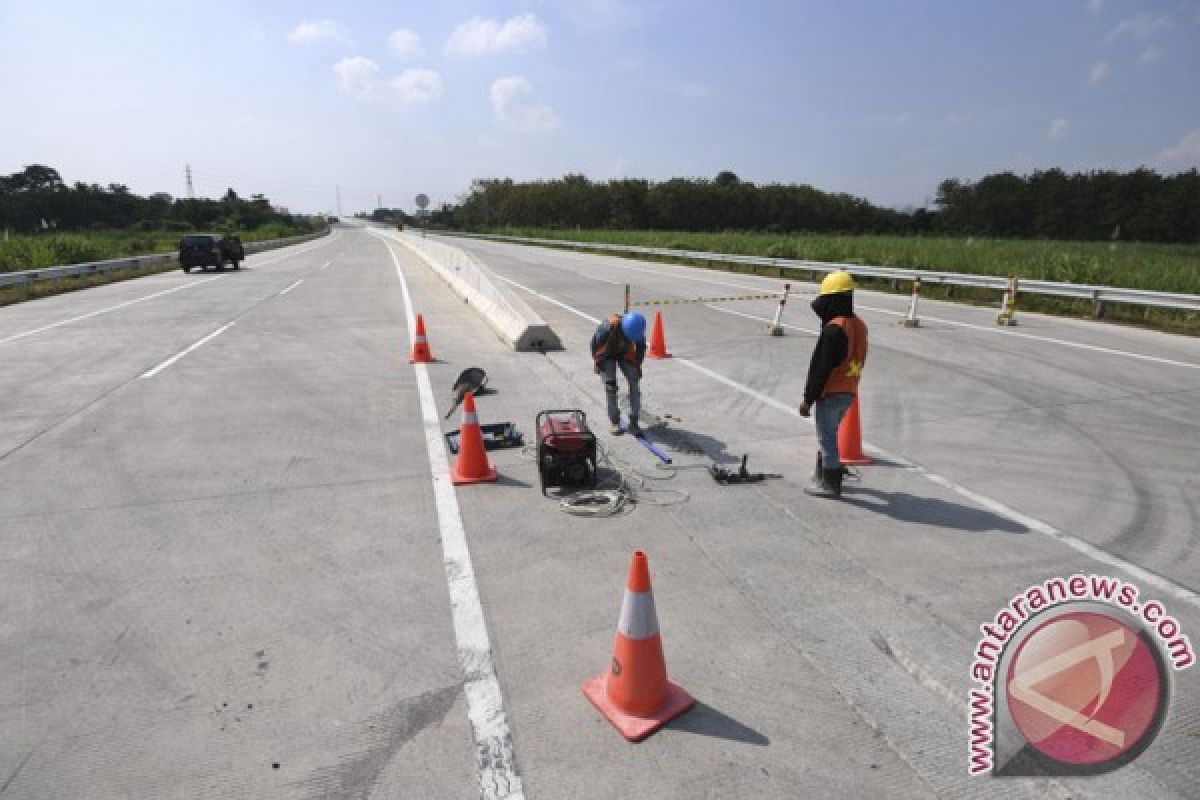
(833, 376)
(619, 344)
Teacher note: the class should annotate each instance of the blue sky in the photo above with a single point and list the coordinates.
(879, 99)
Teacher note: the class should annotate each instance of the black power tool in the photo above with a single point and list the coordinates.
(566, 450)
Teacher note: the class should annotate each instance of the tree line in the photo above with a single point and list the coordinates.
(37, 199)
(1136, 206)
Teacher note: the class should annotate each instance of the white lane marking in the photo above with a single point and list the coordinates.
(150, 373)
(127, 303)
(496, 759)
(760, 319)
(293, 286)
(326, 264)
(1145, 576)
(1001, 331)
(100, 311)
(549, 299)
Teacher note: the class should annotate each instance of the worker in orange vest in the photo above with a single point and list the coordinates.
(833, 375)
(619, 344)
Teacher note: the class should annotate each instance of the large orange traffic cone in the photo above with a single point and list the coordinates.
(850, 437)
(635, 694)
(658, 342)
(420, 349)
(472, 465)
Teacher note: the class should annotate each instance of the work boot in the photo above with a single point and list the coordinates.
(635, 429)
(615, 428)
(829, 484)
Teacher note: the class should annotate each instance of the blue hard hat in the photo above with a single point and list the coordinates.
(634, 325)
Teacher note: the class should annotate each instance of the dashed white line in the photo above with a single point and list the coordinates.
(107, 310)
(293, 286)
(496, 758)
(1145, 576)
(150, 373)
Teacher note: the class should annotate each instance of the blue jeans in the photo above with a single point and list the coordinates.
(633, 376)
(828, 413)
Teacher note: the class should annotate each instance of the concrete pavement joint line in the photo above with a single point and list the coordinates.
(293, 286)
(1142, 574)
(495, 755)
(100, 311)
(150, 373)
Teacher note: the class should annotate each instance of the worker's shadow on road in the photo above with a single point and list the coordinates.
(907, 507)
(705, 720)
(686, 442)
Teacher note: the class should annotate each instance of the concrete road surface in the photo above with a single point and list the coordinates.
(227, 567)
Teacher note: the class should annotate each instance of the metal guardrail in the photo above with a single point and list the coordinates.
(147, 262)
(1099, 295)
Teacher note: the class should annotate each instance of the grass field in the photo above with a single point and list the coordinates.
(1156, 267)
(22, 252)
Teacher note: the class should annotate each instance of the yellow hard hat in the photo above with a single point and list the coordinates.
(836, 282)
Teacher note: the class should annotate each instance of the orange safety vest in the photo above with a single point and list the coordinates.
(630, 354)
(844, 378)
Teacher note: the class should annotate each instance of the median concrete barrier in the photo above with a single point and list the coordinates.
(510, 317)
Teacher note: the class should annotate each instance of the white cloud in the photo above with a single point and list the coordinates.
(404, 43)
(511, 109)
(1058, 129)
(1140, 26)
(1094, 6)
(321, 30)
(1101, 72)
(478, 36)
(356, 75)
(417, 86)
(1184, 154)
(1151, 54)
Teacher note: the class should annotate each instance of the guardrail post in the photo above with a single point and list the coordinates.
(1097, 305)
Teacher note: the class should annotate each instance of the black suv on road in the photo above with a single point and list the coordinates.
(210, 249)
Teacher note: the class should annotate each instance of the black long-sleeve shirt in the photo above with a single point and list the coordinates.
(832, 345)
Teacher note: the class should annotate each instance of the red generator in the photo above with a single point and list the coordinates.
(566, 450)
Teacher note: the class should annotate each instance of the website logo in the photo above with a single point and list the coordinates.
(1072, 679)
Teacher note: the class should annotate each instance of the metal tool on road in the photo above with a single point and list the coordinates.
(726, 477)
(566, 450)
(646, 442)
(472, 380)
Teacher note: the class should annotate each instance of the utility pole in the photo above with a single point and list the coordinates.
(338, 189)
(191, 191)
(379, 201)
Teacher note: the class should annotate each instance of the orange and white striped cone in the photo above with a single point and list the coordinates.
(635, 694)
(472, 464)
(658, 341)
(420, 349)
(850, 438)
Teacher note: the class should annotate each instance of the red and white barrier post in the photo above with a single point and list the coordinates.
(776, 328)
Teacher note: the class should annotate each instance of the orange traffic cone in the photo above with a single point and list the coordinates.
(850, 437)
(658, 342)
(472, 465)
(420, 348)
(635, 694)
